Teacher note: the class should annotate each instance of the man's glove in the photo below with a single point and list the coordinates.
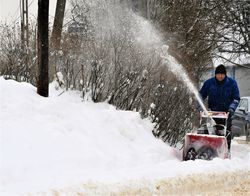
(230, 112)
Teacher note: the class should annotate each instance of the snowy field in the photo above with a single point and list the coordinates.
(63, 145)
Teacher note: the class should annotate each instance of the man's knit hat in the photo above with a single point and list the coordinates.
(221, 69)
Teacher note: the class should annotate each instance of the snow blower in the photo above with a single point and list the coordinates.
(208, 141)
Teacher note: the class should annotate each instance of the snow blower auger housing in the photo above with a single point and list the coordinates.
(208, 141)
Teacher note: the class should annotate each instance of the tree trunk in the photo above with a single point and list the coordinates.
(58, 24)
(43, 48)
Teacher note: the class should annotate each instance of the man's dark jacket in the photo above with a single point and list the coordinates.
(222, 96)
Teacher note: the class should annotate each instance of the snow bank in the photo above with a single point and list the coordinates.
(48, 143)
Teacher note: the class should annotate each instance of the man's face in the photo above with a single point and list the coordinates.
(220, 76)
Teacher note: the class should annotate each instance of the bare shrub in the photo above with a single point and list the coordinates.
(16, 63)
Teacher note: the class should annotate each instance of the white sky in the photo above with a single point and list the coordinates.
(10, 10)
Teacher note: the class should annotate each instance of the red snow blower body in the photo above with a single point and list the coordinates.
(208, 141)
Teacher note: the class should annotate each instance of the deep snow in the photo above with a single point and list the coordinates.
(62, 141)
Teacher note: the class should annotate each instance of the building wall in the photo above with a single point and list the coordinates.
(242, 76)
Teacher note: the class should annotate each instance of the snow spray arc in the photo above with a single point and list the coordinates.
(179, 71)
(152, 38)
(148, 36)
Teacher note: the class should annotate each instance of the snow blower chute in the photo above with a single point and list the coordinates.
(208, 141)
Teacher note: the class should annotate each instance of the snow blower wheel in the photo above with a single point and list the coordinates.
(191, 154)
(206, 153)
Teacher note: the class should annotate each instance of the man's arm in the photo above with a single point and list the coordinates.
(236, 97)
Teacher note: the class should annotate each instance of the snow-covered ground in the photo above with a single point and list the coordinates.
(51, 145)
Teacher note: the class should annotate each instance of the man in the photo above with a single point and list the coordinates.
(223, 95)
